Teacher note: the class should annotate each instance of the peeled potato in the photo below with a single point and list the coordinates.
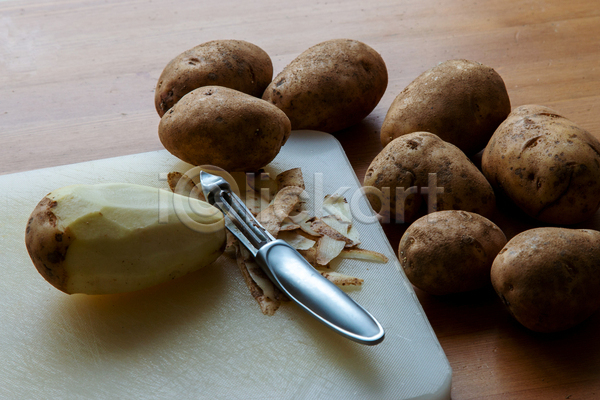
(113, 238)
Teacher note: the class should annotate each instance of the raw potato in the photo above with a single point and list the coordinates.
(422, 161)
(461, 101)
(549, 278)
(450, 251)
(234, 64)
(113, 238)
(546, 165)
(215, 125)
(330, 86)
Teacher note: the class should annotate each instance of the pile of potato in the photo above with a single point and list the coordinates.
(548, 277)
(219, 104)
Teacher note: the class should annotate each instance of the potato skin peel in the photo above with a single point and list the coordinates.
(235, 64)
(47, 244)
(450, 251)
(547, 165)
(224, 127)
(461, 101)
(330, 86)
(549, 278)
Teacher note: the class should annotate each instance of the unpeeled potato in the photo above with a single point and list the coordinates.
(546, 164)
(235, 64)
(461, 101)
(214, 125)
(330, 86)
(411, 164)
(450, 251)
(549, 278)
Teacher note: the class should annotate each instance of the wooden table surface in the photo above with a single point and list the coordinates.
(77, 82)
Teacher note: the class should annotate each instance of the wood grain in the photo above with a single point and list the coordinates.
(77, 83)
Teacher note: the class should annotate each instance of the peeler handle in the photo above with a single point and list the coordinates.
(316, 295)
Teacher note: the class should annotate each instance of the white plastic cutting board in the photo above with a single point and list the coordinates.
(202, 336)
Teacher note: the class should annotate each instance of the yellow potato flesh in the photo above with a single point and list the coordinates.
(127, 237)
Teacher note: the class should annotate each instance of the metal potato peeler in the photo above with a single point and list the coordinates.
(289, 271)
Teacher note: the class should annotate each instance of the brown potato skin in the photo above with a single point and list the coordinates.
(235, 64)
(408, 160)
(549, 278)
(331, 86)
(224, 127)
(461, 101)
(47, 245)
(450, 251)
(546, 164)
